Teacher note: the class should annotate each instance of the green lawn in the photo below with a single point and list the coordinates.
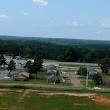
(15, 100)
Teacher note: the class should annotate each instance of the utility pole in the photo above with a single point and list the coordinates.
(87, 77)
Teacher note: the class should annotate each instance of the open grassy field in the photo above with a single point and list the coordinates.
(50, 100)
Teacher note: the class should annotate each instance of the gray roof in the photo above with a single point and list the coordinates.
(26, 74)
(51, 67)
(51, 72)
(53, 78)
(91, 70)
(106, 81)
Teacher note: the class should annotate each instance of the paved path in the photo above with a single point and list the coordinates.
(74, 80)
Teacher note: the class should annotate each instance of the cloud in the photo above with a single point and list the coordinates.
(41, 2)
(3, 16)
(75, 24)
(105, 24)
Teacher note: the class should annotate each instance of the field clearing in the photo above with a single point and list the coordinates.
(50, 100)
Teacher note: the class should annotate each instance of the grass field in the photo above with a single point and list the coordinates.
(48, 100)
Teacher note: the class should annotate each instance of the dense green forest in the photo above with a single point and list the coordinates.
(82, 51)
(62, 41)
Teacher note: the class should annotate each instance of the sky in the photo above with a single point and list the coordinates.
(76, 19)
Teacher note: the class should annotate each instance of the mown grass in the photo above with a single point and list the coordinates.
(9, 100)
(34, 101)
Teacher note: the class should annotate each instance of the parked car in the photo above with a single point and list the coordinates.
(6, 77)
(97, 88)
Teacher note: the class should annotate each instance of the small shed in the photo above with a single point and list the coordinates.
(23, 76)
(53, 79)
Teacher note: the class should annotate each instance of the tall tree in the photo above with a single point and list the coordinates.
(2, 60)
(104, 64)
(11, 65)
(82, 71)
(28, 64)
(97, 79)
(34, 67)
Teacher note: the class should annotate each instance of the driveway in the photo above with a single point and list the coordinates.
(74, 80)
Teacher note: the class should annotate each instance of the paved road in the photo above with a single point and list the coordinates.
(40, 86)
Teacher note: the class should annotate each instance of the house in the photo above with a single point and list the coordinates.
(51, 68)
(53, 79)
(91, 71)
(106, 82)
(51, 72)
(22, 76)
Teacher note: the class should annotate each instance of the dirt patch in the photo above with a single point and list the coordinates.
(24, 95)
(27, 91)
(100, 98)
(4, 92)
(93, 96)
(7, 91)
(66, 93)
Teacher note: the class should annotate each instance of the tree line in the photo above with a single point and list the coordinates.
(30, 49)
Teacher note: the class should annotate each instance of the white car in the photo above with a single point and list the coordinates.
(6, 77)
(97, 88)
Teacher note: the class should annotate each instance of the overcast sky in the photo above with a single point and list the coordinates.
(79, 19)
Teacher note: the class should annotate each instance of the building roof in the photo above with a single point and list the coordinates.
(107, 81)
(51, 72)
(91, 70)
(26, 74)
(51, 67)
(53, 78)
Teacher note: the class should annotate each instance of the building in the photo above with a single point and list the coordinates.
(22, 76)
(53, 79)
(51, 68)
(91, 71)
(51, 72)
